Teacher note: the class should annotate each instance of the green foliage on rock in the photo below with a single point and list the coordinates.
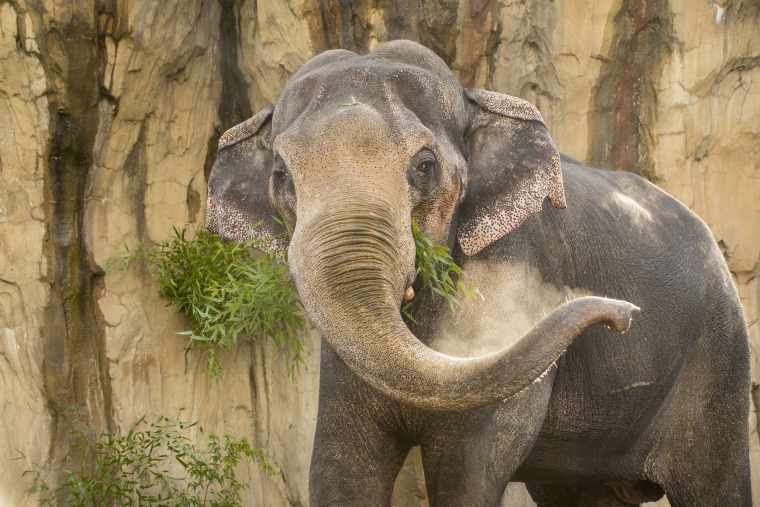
(228, 290)
(140, 467)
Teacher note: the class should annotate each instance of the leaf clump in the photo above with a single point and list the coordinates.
(439, 272)
(228, 290)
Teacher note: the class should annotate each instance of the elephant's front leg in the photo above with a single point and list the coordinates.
(470, 456)
(358, 451)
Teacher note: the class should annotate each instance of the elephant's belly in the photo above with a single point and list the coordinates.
(554, 461)
(594, 435)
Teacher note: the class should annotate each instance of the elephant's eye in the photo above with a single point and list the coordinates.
(280, 169)
(424, 173)
(425, 167)
(281, 183)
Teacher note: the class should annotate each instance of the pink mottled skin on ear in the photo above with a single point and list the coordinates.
(526, 154)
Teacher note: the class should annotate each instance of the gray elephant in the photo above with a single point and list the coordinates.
(355, 149)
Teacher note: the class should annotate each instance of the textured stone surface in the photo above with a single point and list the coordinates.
(25, 421)
(109, 116)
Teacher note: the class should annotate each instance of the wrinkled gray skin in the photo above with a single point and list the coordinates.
(616, 418)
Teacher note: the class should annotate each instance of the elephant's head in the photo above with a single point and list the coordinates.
(357, 147)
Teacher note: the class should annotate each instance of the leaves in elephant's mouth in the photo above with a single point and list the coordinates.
(439, 272)
(228, 291)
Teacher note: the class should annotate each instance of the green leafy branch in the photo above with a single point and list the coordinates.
(139, 469)
(228, 291)
(439, 272)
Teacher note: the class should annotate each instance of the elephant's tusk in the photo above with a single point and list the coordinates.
(409, 294)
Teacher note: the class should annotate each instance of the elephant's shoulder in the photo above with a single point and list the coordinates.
(624, 199)
(577, 174)
(589, 183)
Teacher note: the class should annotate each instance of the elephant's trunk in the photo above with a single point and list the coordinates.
(351, 272)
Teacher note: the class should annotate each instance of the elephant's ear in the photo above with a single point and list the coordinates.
(513, 166)
(238, 187)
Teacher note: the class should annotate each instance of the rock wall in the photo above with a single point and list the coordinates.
(109, 115)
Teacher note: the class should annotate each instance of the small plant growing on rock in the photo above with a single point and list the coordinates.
(140, 467)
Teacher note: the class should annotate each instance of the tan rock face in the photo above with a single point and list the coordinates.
(24, 136)
(109, 115)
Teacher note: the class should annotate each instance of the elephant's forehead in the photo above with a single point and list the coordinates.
(348, 133)
(436, 98)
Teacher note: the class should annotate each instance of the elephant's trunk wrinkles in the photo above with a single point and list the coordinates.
(347, 271)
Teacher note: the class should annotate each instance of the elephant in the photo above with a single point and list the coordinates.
(521, 384)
